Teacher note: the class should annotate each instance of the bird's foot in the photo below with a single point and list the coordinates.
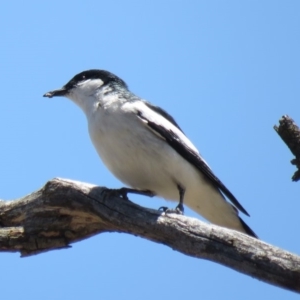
(179, 209)
(115, 193)
(122, 192)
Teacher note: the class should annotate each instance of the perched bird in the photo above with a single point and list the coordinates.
(143, 146)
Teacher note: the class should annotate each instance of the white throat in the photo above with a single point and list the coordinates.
(90, 97)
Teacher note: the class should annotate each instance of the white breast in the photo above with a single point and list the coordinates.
(141, 159)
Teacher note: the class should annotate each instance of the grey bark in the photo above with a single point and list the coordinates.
(64, 212)
(290, 134)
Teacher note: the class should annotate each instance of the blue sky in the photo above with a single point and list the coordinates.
(226, 70)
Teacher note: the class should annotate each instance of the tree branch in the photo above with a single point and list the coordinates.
(64, 211)
(290, 134)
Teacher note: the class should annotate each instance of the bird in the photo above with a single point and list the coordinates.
(144, 147)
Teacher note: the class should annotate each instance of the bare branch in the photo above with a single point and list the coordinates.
(64, 211)
(290, 134)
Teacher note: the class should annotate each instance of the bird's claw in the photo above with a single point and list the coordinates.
(122, 193)
(179, 209)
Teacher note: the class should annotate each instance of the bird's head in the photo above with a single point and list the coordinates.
(87, 84)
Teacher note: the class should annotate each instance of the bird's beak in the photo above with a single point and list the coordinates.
(60, 92)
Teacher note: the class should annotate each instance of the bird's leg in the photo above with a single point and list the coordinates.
(122, 192)
(179, 208)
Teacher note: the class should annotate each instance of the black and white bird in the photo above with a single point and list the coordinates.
(143, 146)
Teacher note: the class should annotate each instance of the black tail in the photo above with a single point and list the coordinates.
(248, 230)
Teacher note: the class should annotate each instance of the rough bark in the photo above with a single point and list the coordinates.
(64, 212)
(290, 134)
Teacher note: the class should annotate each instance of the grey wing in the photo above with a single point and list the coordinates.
(173, 139)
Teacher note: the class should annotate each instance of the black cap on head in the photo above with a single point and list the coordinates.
(105, 76)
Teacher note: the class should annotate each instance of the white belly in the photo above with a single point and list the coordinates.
(129, 157)
(158, 167)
